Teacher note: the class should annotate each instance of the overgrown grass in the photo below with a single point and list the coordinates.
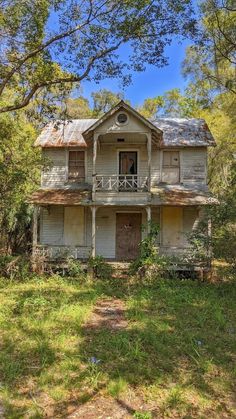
(177, 354)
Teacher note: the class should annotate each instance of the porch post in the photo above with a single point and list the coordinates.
(149, 219)
(35, 227)
(34, 237)
(209, 228)
(95, 146)
(94, 209)
(149, 151)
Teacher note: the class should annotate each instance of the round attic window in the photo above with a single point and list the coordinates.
(122, 118)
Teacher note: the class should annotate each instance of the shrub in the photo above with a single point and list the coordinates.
(101, 269)
(74, 268)
(149, 263)
(14, 267)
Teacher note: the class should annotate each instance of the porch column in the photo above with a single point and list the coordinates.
(93, 209)
(149, 219)
(95, 146)
(209, 228)
(149, 151)
(35, 227)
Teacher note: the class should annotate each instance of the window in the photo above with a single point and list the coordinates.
(170, 167)
(76, 166)
(122, 119)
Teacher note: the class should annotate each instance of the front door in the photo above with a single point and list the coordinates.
(128, 235)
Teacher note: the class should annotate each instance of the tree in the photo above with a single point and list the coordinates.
(151, 107)
(104, 100)
(19, 174)
(60, 42)
(77, 108)
(213, 55)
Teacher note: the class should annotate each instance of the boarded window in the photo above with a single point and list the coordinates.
(76, 166)
(74, 226)
(170, 167)
(172, 226)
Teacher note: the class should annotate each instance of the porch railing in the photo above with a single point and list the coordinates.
(121, 183)
(51, 252)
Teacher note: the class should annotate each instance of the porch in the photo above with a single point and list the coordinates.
(114, 232)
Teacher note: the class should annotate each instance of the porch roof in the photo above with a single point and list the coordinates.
(177, 195)
(60, 197)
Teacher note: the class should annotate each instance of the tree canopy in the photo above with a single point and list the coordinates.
(56, 43)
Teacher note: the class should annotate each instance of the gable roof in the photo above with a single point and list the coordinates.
(122, 105)
(174, 132)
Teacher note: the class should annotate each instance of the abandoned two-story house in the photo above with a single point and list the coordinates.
(107, 178)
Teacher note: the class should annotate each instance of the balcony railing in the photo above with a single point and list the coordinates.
(122, 183)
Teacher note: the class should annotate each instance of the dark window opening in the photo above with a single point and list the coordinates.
(122, 118)
(76, 166)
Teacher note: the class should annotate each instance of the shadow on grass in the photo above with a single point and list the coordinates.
(180, 332)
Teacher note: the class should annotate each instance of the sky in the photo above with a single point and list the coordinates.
(153, 82)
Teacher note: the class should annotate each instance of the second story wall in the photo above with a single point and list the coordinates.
(192, 162)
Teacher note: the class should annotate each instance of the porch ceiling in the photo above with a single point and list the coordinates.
(60, 197)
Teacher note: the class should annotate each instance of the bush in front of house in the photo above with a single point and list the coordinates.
(14, 267)
(74, 268)
(100, 268)
(149, 263)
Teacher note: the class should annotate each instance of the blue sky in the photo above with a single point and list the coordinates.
(154, 81)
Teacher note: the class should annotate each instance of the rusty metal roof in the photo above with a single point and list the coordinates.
(60, 197)
(177, 132)
(182, 132)
(64, 133)
(177, 195)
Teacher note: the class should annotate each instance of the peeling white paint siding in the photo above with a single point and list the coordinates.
(190, 222)
(55, 175)
(193, 168)
(155, 169)
(52, 225)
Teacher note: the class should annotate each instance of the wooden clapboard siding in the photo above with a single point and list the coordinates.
(190, 222)
(155, 169)
(193, 162)
(108, 158)
(55, 175)
(89, 163)
(193, 165)
(52, 225)
(133, 125)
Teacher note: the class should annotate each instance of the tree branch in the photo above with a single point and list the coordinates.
(54, 39)
(74, 79)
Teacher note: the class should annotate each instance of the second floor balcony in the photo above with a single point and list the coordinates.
(121, 183)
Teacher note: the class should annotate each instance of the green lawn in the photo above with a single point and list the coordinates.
(176, 356)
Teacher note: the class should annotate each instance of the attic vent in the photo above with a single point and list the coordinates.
(120, 140)
(122, 118)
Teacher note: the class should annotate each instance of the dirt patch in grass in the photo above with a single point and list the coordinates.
(108, 313)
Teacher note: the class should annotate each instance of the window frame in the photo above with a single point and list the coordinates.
(162, 167)
(70, 181)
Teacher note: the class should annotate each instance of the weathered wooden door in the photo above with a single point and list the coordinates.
(128, 235)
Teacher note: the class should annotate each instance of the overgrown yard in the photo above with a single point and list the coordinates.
(173, 355)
